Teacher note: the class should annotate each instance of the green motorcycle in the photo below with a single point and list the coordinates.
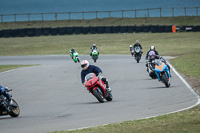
(75, 57)
(95, 55)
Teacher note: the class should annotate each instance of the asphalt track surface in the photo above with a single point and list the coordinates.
(52, 98)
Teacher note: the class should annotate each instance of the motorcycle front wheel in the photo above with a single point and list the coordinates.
(165, 80)
(99, 95)
(14, 110)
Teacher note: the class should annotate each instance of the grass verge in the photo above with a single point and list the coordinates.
(10, 67)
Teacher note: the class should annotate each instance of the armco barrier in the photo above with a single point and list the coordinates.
(94, 30)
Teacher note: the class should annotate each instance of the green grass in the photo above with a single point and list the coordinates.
(190, 20)
(166, 43)
(10, 67)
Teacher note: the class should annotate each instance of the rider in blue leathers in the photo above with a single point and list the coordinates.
(86, 69)
(5, 93)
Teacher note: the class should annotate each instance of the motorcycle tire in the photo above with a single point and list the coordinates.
(165, 80)
(109, 97)
(15, 111)
(98, 95)
(78, 60)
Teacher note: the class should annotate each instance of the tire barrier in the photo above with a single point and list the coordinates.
(46, 31)
(131, 29)
(100, 29)
(54, 31)
(14, 33)
(69, 30)
(146, 28)
(30, 32)
(93, 30)
(85, 30)
(22, 32)
(139, 29)
(6, 33)
(38, 32)
(77, 30)
(115, 29)
(123, 29)
(61, 31)
(108, 29)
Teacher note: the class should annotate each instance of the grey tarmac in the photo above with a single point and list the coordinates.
(52, 98)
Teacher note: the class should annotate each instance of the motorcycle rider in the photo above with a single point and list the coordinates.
(152, 48)
(131, 50)
(137, 44)
(72, 52)
(92, 48)
(87, 68)
(5, 93)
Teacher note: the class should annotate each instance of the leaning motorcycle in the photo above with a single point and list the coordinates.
(162, 71)
(7, 108)
(97, 87)
(75, 57)
(95, 55)
(138, 53)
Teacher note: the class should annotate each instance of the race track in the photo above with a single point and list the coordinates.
(52, 98)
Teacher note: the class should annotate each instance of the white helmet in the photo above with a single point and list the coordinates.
(84, 64)
(94, 45)
(130, 46)
(137, 41)
(152, 48)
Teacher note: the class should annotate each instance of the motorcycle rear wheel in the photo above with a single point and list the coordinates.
(98, 95)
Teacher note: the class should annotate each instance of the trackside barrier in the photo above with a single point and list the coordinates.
(30, 32)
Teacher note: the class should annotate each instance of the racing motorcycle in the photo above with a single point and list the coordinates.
(162, 72)
(75, 57)
(7, 108)
(95, 55)
(137, 53)
(97, 87)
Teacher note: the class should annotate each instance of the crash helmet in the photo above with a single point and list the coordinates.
(152, 48)
(73, 49)
(137, 42)
(94, 45)
(84, 64)
(130, 46)
(152, 55)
